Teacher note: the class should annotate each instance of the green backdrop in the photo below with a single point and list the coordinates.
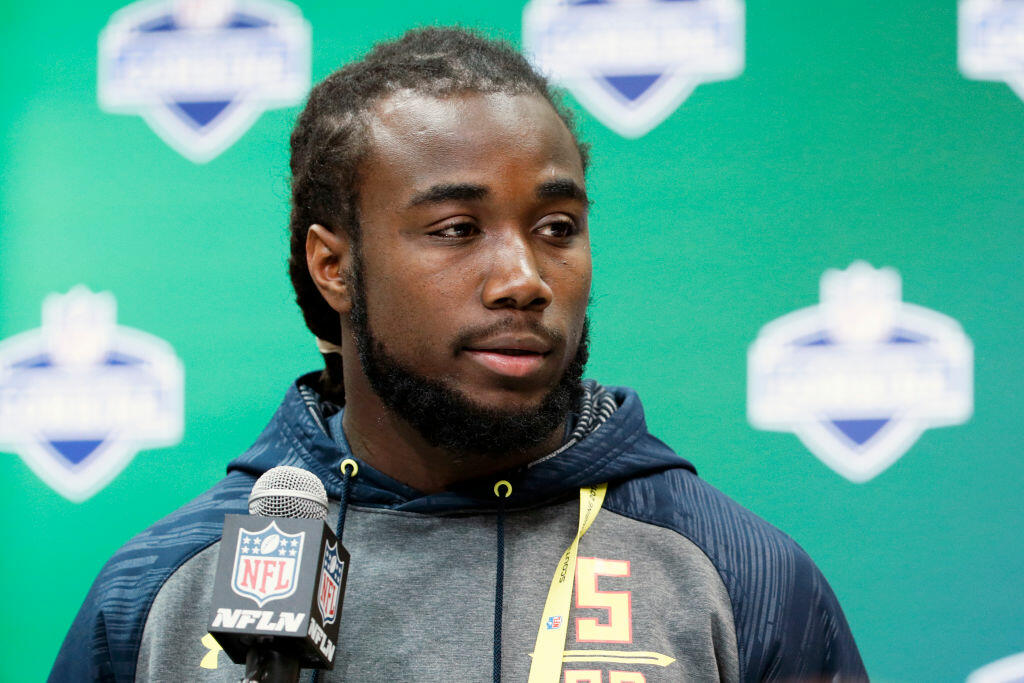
(850, 135)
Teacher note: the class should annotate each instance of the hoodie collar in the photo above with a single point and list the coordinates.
(619, 449)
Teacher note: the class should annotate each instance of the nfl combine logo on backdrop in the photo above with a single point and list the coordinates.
(1007, 670)
(859, 377)
(200, 72)
(992, 41)
(80, 396)
(631, 63)
(330, 584)
(266, 564)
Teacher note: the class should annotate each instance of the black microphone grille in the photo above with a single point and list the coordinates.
(286, 491)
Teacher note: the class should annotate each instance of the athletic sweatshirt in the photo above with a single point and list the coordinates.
(673, 581)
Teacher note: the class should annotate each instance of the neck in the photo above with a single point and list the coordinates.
(383, 440)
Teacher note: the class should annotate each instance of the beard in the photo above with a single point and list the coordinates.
(445, 417)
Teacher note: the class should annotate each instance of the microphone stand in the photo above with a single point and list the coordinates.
(263, 665)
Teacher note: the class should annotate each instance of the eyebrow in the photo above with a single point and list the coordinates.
(449, 192)
(562, 188)
(559, 188)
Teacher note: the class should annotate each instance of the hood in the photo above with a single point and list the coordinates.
(620, 449)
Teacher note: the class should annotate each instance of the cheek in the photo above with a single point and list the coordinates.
(412, 312)
(571, 280)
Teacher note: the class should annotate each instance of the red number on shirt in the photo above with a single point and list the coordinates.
(626, 677)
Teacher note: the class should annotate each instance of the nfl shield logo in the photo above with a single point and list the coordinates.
(631, 63)
(81, 395)
(1007, 670)
(991, 41)
(266, 564)
(200, 72)
(554, 623)
(859, 377)
(330, 584)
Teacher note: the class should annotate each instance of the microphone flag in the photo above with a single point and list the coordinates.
(279, 584)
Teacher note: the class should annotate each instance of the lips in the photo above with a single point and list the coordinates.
(510, 355)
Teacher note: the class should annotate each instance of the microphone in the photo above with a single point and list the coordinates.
(280, 578)
(286, 491)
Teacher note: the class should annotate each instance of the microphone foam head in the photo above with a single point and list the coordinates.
(286, 491)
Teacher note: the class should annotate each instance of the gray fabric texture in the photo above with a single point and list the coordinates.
(419, 603)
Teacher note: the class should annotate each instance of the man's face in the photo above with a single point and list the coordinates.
(474, 270)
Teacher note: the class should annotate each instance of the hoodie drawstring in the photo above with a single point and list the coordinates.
(349, 469)
(499, 574)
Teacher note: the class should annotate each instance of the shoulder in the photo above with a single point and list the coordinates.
(678, 499)
(104, 639)
(788, 622)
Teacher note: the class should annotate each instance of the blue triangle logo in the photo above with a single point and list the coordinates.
(860, 431)
(632, 87)
(75, 451)
(201, 114)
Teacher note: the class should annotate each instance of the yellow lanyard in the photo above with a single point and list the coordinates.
(554, 622)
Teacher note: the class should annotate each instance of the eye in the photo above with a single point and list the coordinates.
(560, 228)
(454, 231)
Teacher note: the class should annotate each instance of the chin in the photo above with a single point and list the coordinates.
(506, 398)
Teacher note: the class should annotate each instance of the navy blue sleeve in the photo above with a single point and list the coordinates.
(816, 642)
(84, 656)
(789, 625)
(103, 642)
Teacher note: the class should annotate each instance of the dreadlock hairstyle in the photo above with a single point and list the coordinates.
(330, 141)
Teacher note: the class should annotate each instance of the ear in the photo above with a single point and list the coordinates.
(328, 257)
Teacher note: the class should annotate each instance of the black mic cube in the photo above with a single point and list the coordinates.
(279, 586)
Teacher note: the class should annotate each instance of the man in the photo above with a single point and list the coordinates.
(440, 253)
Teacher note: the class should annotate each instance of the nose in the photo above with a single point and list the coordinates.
(514, 279)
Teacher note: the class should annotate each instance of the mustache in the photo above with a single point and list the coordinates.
(467, 336)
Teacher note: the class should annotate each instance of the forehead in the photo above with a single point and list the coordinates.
(419, 140)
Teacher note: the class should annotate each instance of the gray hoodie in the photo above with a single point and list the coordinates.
(673, 581)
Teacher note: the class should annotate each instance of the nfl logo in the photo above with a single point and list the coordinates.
(200, 72)
(81, 395)
(991, 41)
(266, 564)
(554, 623)
(859, 377)
(1006, 670)
(631, 63)
(330, 584)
